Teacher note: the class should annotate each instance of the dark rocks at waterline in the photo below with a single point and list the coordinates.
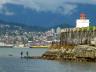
(82, 53)
(68, 58)
(50, 55)
(32, 57)
(57, 56)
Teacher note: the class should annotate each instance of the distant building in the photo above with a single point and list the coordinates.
(82, 22)
(53, 30)
(58, 30)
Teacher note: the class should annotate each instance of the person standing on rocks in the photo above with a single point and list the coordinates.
(21, 54)
(27, 54)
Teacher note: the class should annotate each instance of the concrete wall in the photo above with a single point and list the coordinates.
(75, 36)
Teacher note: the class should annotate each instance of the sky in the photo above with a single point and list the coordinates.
(58, 6)
(48, 7)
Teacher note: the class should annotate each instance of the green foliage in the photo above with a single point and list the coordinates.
(90, 28)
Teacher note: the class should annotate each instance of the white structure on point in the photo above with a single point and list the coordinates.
(82, 22)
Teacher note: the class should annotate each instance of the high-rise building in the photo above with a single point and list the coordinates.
(82, 22)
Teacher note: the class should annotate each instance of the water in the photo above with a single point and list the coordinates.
(16, 64)
(15, 52)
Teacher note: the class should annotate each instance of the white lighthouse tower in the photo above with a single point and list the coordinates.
(82, 22)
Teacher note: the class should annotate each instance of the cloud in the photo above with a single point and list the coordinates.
(67, 8)
(7, 12)
(60, 6)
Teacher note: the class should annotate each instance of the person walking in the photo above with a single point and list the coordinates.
(21, 54)
(27, 54)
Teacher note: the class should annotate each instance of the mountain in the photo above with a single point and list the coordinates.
(45, 20)
(17, 26)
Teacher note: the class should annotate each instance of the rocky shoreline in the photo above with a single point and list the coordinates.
(82, 53)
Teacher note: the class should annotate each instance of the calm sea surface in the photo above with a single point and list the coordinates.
(15, 64)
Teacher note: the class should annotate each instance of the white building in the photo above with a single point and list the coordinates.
(58, 30)
(82, 22)
(53, 30)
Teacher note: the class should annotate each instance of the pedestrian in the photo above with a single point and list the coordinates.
(21, 54)
(27, 53)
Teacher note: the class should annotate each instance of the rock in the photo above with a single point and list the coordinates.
(80, 52)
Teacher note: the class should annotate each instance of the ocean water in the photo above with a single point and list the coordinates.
(15, 52)
(16, 64)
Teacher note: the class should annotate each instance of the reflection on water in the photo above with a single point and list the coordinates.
(16, 64)
(24, 65)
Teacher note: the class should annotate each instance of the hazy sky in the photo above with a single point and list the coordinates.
(58, 6)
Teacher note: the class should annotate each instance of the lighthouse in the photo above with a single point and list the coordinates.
(82, 22)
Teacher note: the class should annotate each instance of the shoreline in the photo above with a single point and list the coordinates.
(81, 53)
(61, 59)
